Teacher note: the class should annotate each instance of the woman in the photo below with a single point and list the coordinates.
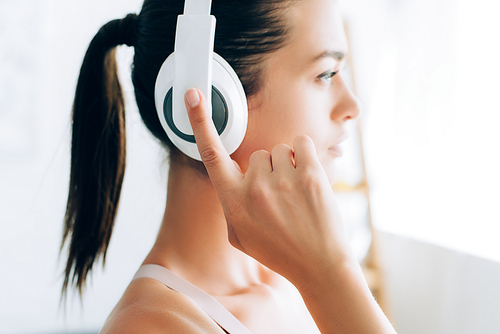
(286, 266)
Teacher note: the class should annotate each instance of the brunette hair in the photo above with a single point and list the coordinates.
(246, 32)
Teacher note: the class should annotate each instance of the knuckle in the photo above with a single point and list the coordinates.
(257, 192)
(304, 139)
(284, 184)
(310, 179)
(305, 142)
(210, 155)
(198, 119)
(260, 155)
(281, 148)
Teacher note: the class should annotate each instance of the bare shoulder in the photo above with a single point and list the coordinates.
(147, 306)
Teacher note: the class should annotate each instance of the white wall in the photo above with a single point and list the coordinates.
(436, 290)
(42, 44)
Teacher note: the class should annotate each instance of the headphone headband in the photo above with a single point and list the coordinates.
(193, 52)
(197, 7)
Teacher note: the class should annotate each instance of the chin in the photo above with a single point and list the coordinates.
(329, 167)
(331, 178)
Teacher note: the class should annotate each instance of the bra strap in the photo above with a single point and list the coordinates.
(206, 302)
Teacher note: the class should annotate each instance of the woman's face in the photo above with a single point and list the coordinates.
(299, 93)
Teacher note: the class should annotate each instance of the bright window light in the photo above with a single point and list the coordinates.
(428, 76)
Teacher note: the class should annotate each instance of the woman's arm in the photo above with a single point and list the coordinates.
(283, 213)
(340, 301)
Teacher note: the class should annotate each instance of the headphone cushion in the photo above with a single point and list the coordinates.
(229, 105)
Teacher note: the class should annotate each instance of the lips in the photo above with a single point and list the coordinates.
(335, 150)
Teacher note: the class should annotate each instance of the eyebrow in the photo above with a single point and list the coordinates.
(337, 55)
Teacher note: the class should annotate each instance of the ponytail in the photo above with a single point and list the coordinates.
(97, 153)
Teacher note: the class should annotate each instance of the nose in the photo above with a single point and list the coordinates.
(347, 105)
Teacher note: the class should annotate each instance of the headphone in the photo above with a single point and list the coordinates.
(194, 64)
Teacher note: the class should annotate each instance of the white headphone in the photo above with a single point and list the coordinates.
(194, 64)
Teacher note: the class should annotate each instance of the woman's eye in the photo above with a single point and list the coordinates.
(327, 76)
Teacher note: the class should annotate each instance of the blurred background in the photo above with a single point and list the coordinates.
(420, 175)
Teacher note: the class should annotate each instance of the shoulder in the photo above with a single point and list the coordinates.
(147, 306)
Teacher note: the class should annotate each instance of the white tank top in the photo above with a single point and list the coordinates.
(207, 303)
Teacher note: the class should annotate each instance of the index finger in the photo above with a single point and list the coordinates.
(219, 165)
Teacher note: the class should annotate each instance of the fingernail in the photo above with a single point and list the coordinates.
(192, 97)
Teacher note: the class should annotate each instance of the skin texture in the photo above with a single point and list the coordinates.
(268, 211)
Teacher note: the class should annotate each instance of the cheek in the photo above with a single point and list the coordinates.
(282, 116)
(262, 134)
(281, 120)
(294, 113)
(267, 127)
(329, 167)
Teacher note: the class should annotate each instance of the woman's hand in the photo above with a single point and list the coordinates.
(282, 211)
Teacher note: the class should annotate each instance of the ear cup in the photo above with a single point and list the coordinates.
(229, 107)
(219, 114)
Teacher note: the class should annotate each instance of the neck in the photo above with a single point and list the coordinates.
(192, 241)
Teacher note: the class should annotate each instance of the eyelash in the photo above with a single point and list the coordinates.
(327, 76)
